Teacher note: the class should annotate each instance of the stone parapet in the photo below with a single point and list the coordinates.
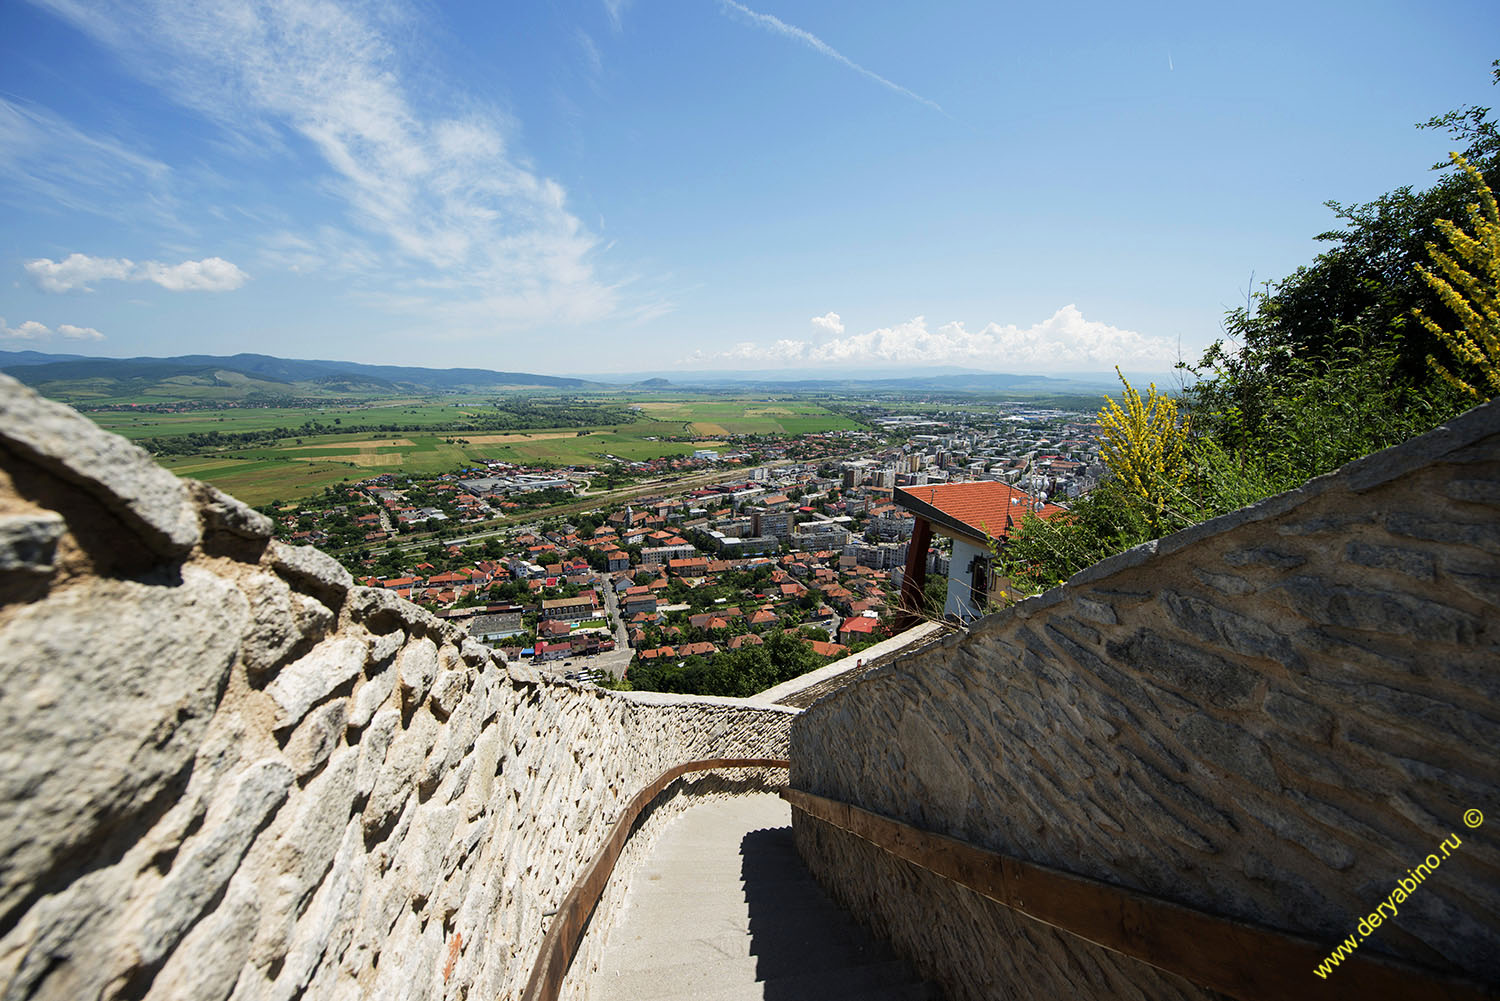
(228, 772)
(1271, 717)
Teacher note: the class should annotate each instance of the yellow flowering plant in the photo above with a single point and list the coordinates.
(1145, 444)
(1469, 285)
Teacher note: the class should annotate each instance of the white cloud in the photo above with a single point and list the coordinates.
(73, 333)
(1065, 341)
(212, 274)
(443, 190)
(80, 271)
(42, 156)
(616, 10)
(830, 322)
(31, 330)
(780, 27)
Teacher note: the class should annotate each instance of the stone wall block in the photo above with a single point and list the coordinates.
(311, 570)
(1300, 716)
(416, 669)
(28, 542)
(323, 670)
(1402, 559)
(374, 743)
(1099, 612)
(272, 631)
(1198, 673)
(1322, 844)
(475, 653)
(397, 779)
(384, 646)
(108, 691)
(1485, 492)
(297, 862)
(315, 737)
(1228, 584)
(199, 876)
(220, 513)
(147, 499)
(1375, 611)
(315, 620)
(206, 966)
(1264, 557)
(1240, 633)
(1230, 749)
(1415, 525)
(447, 690)
(371, 696)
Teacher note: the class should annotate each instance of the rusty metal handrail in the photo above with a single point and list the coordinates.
(560, 944)
(1235, 958)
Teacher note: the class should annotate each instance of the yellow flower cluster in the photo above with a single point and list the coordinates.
(1144, 444)
(1470, 287)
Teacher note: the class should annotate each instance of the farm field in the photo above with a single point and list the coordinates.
(290, 470)
(747, 416)
(295, 466)
(153, 425)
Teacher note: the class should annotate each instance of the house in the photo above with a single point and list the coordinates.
(858, 628)
(553, 651)
(639, 600)
(763, 617)
(976, 516)
(569, 609)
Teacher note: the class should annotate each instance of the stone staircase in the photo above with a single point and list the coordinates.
(724, 910)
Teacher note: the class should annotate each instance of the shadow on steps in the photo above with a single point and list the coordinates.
(805, 947)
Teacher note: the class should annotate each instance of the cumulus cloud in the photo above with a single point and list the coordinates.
(80, 271)
(1065, 341)
(435, 181)
(830, 322)
(31, 330)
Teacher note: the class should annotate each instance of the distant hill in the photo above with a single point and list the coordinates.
(10, 359)
(244, 376)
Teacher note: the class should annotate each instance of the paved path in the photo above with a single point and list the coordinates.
(724, 910)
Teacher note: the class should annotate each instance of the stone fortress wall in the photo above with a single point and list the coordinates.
(227, 771)
(1272, 717)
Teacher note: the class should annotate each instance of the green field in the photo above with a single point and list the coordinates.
(296, 466)
(152, 425)
(746, 416)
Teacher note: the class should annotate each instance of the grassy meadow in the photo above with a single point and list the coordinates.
(296, 466)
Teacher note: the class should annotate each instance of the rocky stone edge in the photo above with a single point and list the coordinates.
(179, 758)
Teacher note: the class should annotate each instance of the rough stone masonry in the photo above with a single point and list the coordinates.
(227, 771)
(1265, 717)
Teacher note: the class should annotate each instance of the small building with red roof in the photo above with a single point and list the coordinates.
(975, 515)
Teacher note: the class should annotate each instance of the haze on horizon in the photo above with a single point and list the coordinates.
(630, 186)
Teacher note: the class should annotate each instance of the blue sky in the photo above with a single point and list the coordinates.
(632, 185)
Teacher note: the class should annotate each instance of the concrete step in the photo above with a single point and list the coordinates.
(724, 910)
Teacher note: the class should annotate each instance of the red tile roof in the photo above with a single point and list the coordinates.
(977, 509)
